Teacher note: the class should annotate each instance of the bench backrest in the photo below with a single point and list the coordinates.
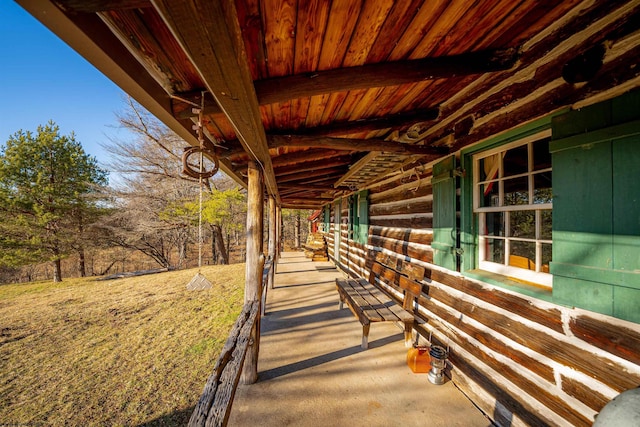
(399, 274)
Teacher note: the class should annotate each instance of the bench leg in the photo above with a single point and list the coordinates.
(408, 340)
(365, 336)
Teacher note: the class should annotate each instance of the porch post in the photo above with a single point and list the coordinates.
(253, 269)
(272, 238)
(278, 231)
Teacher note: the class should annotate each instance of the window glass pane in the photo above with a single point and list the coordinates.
(546, 257)
(541, 155)
(516, 191)
(489, 167)
(542, 188)
(516, 161)
(490, 194)
(522, 224)
(545, 225)
(523, 255)
(495, 250)
(494, 222)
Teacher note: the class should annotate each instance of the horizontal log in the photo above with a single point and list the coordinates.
(520, 305)
(372, 124)
(302, 141)
(409, 235)
(542, 394)
(407, 207)
(562, 351)
(402, 192)
(584, 393)
(383, 74)
(615, 339)
(402, 248)
(491, 341)
(418, 223)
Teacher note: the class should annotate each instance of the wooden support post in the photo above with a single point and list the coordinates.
(278, 232)
(253, 270)
(272, 238)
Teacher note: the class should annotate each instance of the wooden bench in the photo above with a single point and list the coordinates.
(369, 304)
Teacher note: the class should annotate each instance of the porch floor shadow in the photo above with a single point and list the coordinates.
(312, 371)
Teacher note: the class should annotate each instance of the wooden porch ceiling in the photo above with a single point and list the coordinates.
(324, 95)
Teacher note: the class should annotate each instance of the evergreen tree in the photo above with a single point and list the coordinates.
(45, 183)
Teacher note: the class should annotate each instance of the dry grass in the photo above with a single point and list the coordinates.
(131, 352)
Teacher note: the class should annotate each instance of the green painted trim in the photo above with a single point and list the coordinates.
(627, 279)
(505, 283)
(515, 134)
(594, 137)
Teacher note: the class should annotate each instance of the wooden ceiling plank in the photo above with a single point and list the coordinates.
(279, 23)
(343, 18)
(210, 35)
(311, 25)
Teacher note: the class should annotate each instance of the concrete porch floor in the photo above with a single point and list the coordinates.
(312, 371)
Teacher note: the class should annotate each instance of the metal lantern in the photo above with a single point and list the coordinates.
(438, 363)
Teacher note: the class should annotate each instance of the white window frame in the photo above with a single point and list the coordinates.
(537, 277)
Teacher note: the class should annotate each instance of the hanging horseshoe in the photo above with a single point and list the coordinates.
(189, 171)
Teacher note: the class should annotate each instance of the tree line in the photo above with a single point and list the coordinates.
(56, 201)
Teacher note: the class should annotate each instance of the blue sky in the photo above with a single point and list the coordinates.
(43, 79)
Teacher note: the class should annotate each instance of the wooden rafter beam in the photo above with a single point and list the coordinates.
(210, 35)
(276, 141)
(401, 120)
(305, 156)
(303, 177)
(306, 187)
(312, 166)
(384, 74)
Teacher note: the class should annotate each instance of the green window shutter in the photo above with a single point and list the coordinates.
(363, 217)
(444, 213)
(327, 218)
(353, 217)
(596, 208)
(337, 220)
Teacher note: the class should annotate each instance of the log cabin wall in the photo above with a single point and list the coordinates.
(522, 360)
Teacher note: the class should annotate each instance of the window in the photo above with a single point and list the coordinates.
(359, 217)
(512, 198)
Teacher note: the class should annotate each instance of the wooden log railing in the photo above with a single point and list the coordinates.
(214, 406)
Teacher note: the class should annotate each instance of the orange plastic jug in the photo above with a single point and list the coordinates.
(418, 359)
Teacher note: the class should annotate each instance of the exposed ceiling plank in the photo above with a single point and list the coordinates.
(383, 74)
(276, 141)
(210, 35)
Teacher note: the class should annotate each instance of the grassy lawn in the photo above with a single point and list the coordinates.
(133, 351)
